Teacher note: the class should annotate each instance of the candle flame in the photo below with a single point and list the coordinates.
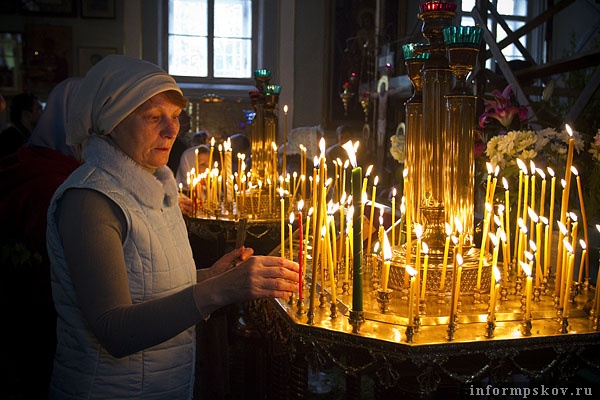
(351, 149)
(497, 274)
(425, 248)
(376, 181)
(573, 216)
(310, 211)
(532, 246)
(459, 260)
(522, 165)
(562, 228)
(493, 238)
(323, 231)
(369, 169)
(541, 173)
(525, 268)
(489, 167)
(418, 230)
(292, 218)
(505, 183)
(300, 204)
(285, 109)
(405, 173)
(583, 244)
(544, 220)
(411, 271)
(376, 248)
(569, 130)
(497, 220)
(212, 141)
(503, 235)
(568, 245)
(448, 229)
(550, 172)
(574, 170)
(532, 214)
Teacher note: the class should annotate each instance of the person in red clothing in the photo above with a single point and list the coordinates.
(28, 179)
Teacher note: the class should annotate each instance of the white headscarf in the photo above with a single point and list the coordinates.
(51, 129)
(110, 91)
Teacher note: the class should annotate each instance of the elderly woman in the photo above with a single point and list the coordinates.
(124, 283)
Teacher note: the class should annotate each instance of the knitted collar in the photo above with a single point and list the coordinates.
(153, 190)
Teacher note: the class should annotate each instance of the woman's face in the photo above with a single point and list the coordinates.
(147, 134)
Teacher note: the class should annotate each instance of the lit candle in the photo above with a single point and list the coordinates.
(532, 205)
(282, 206)
(290, 234)
(525, 188)
(568, 167)
(284, 166)
(536, 246)
(393, 216)
(445, 259)
(488, 185)
(496, 244)
(372, 213)
(494, 296)
(507, 216)
(568, 280)
(425, 265)
(349, 237)
(300, 250)
(583, 257)
(458, 261)
(486, 224)
(357, 300)
(408, 217)
(411, 294)
(180, 189)
(387, 259)
(333, 235)
(518, 215)
(331, 269)
(584, 222)
(306, 239)
(528, 285)
(543, 192)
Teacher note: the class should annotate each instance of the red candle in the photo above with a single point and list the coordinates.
(300, 250)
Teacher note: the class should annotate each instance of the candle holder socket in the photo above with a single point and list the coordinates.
(300, 306)
(292, 299)
(564, 326)
(356, 319)
(441, 297)
(451, 330)
(503, 293)
(322, 299)
(334, 310)
(537, 291)
(477, 297)
(489, 329)
(410, 332)
(526, 327)
(422, 307)
(383, 299)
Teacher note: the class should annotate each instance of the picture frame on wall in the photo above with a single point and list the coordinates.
(48, 8)
(89, 56)
(98, 9)
(10, 62)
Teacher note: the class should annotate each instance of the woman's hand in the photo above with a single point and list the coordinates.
(185, 204)
(256, 277)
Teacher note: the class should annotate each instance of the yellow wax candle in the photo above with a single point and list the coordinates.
(525, 191)
(494, 296)
(486, 224)
(533, 199)
(425, 265)
(456, 287)
(393, 216)
(543, 192)
(333, 235)
(282, 221)
(306, 238)
(411, 295)
(372, 213)
(290, 234)
(495, 243)
(347, 259)
(528, 292)
(507, 216)
(445, 258)
(331, 271)
(387, 258)
(568, 167)
(546, 246)
(568, 282)
(518, 215)
(584, 220)
(488, 184)
(582, 262)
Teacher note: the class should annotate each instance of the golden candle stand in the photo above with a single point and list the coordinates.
(379, 362)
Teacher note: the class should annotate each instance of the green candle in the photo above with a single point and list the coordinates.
(357, 300)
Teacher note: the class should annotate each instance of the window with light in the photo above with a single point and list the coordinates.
(210, 38)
